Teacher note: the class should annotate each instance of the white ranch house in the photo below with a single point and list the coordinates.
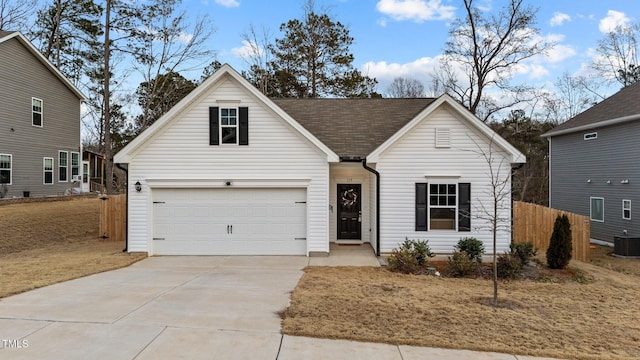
(229, 171)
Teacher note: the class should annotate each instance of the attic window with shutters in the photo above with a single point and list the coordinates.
(591, 136)
(228, 125)
(443, 137)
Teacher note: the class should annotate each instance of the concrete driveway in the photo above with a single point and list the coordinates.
(159, 308)
(182, 308)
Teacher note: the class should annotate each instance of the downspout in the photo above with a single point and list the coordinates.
(377, 174)
(126, 208)
(513, 173)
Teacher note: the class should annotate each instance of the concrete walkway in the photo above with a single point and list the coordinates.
(180, 308)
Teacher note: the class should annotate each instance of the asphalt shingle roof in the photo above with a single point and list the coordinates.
(353, 127)
(625, 102)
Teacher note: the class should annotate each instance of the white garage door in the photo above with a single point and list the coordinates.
(229, 221)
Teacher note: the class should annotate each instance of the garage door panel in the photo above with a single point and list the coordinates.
(261, 221)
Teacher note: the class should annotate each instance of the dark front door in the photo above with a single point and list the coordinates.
(349, 211)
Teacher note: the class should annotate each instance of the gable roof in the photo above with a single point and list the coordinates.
(620, 107)
(124, 155)
(8, 35)
(353, 127)
(516, 157)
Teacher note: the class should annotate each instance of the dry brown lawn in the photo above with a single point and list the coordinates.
(49, 242)
(601, 256)
(597, 319)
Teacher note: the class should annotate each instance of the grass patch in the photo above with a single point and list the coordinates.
(49, 242)
(567, 319)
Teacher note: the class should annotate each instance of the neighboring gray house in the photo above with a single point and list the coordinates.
(39, 123)
(594, 164)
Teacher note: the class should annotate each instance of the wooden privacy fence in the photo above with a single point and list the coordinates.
(113, 217)
(534, 223)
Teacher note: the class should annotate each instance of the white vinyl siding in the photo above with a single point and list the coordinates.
(596, 209)
(6, 166)
(47, 171)
(415, 159)
(276, 155)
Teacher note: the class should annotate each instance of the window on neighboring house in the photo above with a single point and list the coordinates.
(597, 209)
(626, 209)
(47, 170)
(5, 169)
(75, 165)
(444, 206)
(63, 164)
(228, 125)
(36, 112)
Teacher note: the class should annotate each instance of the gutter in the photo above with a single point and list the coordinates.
(126, 207)
(513, 173)
(377, 174)
(592, 126)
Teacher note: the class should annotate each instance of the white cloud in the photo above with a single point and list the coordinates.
(559, 18)
(228, 3)
(416, 10)
(613, 20)
(247, 50)
(185, 38)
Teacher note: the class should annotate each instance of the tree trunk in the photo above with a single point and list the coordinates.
(495, 262)
(108, 156)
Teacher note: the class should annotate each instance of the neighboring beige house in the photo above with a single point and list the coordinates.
(229, 171)
(39, 123)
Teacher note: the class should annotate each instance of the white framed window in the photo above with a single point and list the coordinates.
(75, 165)
(626, 209)
(36, 112)
(443, 206)
(6, 164)
(228, 126)
(590, 136)
(47, 171)
(596, 209)
(63, 166)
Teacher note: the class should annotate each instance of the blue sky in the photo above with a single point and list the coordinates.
(406, 37)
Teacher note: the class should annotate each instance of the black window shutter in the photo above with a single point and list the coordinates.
(244, 126)
(421, 207)
(214, 128)
(464, 207)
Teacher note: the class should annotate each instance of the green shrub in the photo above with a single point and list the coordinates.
(509, 266)
(559, 251)
(524, 251)
(461, 265)
(410, 257)
(472, 246)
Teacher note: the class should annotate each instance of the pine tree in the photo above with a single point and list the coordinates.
(560, 247)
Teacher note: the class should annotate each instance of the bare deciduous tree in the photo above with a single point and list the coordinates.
(486, 48)
(405, 88)
(14, 14)
(617, 58)
(497, 211)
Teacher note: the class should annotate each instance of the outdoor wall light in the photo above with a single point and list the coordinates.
(625, 181)
(588, 180)
(228, 182)
(608, 181)
(138, 186)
